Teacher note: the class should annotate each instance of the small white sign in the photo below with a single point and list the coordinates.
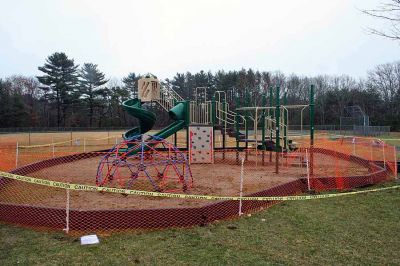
(89, 240)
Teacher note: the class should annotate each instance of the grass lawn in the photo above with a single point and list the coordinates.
(361, 229)
(393, 139)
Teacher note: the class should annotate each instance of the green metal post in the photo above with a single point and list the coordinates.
(264, 103)
(237, 129)
(213, 120)
(246, 104)
(285, 119)
(176, 133)
(271, 103)
(187, 120)
(312, 130)
(213, 111)
(277, 133)
(176, 139)
(224, 130)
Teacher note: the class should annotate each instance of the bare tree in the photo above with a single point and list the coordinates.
(28, 88)
(385, 80)
(388, 11)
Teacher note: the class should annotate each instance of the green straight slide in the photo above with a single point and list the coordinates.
(147, 119)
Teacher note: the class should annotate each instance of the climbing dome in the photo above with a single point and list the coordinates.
(145, 162)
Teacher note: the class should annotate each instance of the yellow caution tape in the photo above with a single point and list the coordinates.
(110, 137)
(81, 187)
(62, 142)
(44, 145)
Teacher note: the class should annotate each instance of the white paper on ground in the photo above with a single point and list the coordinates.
(89, 239)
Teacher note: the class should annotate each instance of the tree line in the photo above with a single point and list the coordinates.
(69, 95)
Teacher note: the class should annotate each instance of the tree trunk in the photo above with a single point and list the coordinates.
(90, 115)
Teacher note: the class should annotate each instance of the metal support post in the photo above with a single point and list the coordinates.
(277, 133)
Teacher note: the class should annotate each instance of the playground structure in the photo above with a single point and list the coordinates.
(201, 118)
(145, 181)
(207, 116)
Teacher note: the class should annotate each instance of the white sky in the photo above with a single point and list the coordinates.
(306, 37)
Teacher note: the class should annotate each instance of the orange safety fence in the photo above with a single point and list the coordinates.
(8, 156)
(62, 190)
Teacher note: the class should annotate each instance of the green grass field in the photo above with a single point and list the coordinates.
(361, 229)
(393, 139)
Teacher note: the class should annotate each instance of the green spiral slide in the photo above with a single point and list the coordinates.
(147, 119)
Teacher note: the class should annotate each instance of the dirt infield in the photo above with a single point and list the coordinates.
(220, 179)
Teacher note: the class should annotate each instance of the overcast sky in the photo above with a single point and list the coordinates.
(306, 37)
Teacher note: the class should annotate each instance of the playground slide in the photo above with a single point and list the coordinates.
(147, 119)
(177, 113)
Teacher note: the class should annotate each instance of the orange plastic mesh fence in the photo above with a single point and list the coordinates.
(8, 156)
(331, 164)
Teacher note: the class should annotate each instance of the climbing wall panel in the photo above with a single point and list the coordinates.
(201, 144)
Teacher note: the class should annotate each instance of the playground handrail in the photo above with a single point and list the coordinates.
(232, 121)
(168, 97)
(173, 93)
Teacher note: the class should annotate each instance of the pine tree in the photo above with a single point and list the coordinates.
(61, 81)
(130, 83)
(90, 80)
(179, 84)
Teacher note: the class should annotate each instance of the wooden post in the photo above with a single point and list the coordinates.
(308, 171)
(241, 187)
(16, 155)
(52, 144)
(67, 207)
